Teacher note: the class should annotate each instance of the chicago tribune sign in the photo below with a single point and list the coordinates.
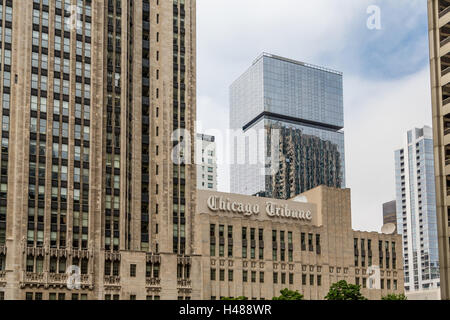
(221, 204)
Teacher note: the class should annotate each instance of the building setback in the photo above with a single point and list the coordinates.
(292, 107)
(88, 114)
(416, 209)
(439, 36)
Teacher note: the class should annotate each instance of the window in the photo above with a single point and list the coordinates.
(303, 242)
(222, 275)
(230, 275)
(213, 274)
(275, 277)
(132, 270)
(245, 276)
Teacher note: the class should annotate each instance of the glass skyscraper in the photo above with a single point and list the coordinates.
(416, 209)
(296, 108)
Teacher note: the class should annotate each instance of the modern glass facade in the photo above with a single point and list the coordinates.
(304, 103)
(416, 210)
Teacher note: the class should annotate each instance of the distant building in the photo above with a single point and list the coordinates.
(416, 210)
(390, 212)
(296, 108)
(207, 169)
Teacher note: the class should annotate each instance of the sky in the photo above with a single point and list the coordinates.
(386, 76)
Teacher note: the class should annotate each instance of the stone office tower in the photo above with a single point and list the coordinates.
(92, 91)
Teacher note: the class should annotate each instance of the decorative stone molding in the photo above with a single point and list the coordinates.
(33, 279)
(2, 278)
(112, 280)
(113, 256)
(80, 253)
(35, 251)
(53, 280)
(153, 258)
(58, 253)
(153, 284)
(3, 250)
(112, 283)
(184, 284)
(184, 260)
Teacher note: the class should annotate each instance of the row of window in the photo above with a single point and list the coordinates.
(282, 248)
(254, 276)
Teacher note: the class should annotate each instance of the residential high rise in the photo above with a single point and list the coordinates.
(207, 167)
(390, 212)
(287, 117)
(416, 209)
(439, 39)
(92, 91)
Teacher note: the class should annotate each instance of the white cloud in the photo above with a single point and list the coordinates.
(232, 33)
(378, 115)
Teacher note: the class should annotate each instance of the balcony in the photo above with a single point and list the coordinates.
(152, 283)
(444, 10)
(57, 279)
(113, 281)
(184, 284)
(33, 279)
(54, 280)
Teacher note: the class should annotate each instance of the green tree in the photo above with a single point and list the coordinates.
(394, 296)
(287, 294)
(232, 299)
(344, 291)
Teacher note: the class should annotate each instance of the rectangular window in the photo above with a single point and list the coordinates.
(303, 241)
(230, 275)
(132, 270)
(310, 242)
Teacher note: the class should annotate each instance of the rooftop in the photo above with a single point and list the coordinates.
(308, 65)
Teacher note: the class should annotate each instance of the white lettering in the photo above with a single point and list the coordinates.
(247, 209)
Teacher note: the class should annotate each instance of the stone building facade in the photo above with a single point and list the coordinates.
(439, 40)
(94, 95)
(258, 252)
